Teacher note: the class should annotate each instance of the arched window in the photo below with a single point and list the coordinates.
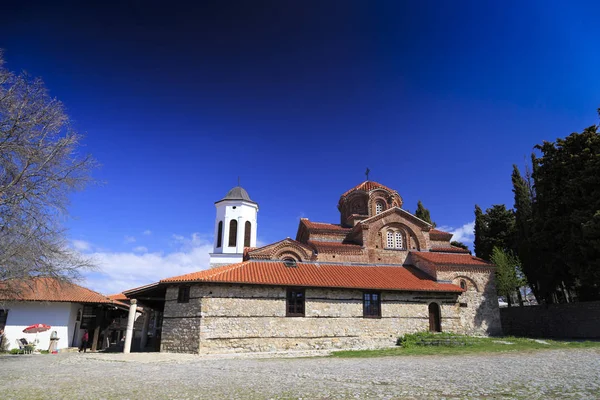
(247, 231)
(220, 234)
(398, 242)
(390, 240)
(463, 284)
(232, 233)
(378, 208)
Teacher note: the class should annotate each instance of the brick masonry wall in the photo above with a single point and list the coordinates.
(571, 320)
(238, 318)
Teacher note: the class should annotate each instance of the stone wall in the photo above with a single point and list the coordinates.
(571, 320)
(181, 322)
(479, 303)
(238, 318)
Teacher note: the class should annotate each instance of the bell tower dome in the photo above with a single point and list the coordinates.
(235, 227)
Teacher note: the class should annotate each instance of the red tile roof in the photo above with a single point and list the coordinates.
(118, 296)
(449, 249)
(367, 186)
(451, 259)
(320, 275)
(436, 234)
(336, 248)
(324, 226)
(50, 289)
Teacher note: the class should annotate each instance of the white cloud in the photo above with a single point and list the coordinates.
(140, 249)
(465, 233)
(129, 239)
(118, 271)
(81, 245)
(147, 232)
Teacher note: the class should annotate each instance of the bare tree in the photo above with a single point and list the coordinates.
(39, 167)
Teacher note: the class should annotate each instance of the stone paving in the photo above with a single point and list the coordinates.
(552, 374)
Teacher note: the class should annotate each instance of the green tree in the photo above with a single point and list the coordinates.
(423, 213)
(507, 272)
(524, 197)
(456, 243)
(494, 228)
(479, 231)
(565, 228)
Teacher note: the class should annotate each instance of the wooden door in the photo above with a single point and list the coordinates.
(435, 324)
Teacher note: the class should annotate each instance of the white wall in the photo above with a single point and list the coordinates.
(58, 315)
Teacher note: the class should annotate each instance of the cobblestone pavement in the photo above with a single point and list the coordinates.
(560, 374)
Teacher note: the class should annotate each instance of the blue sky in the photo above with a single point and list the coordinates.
(438, 99)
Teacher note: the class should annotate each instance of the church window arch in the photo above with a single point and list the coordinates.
(463, 284)
(395, 238)
(390, 240)
(220, 234)
(247, 233)
(378, 207)
(232, 233)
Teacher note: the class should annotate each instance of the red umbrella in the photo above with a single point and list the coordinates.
(37, 328)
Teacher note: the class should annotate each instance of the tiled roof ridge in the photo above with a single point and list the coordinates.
(451, 258)
(321, 274)
(368, 186)
(54, 289)
(70, 283)
(210, 273)
(310, 225)
(449, 249)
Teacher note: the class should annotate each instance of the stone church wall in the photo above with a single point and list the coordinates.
(239, 318)
(480, 314)
(181, 322)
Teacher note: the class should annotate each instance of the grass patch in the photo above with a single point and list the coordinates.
(450, 344)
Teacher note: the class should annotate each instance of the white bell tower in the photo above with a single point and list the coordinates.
(235, 227)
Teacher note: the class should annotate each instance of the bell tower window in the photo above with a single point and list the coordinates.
(220, 234)
(232, 233)
(247, 233)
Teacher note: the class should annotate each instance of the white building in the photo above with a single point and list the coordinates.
(235, 227)
(68, 308)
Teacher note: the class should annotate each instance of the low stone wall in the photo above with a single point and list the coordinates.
(571, 320)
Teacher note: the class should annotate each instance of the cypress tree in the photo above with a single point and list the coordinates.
(423, 213)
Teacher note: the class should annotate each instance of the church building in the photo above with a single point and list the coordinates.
(379, 273)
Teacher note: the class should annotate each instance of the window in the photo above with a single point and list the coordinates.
(184, 294)
(371, 305)
(390, 240)
(378, 207)
(220, 234)
(295, 303)
(247, 232)
(463, 284)
(3, 317)
(398, 242)
(232, 233)
(395, 239)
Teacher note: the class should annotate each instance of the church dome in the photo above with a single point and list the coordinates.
(365, 200)
(237, 193)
